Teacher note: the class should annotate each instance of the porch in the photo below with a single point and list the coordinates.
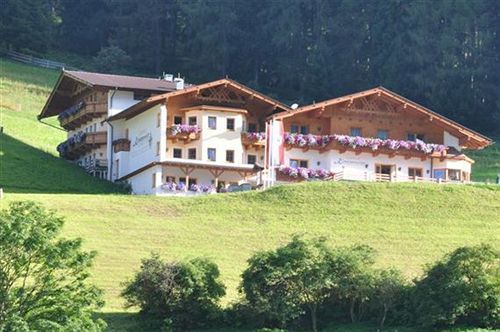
(188, 177)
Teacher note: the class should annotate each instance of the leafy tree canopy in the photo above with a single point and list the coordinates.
(43, 278)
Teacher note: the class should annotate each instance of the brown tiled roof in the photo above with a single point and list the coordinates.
(59, 99)
(122, 81)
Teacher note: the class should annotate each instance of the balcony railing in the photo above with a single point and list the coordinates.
(253, 139)
(361, 144)
(81, 143)
(81, 113)
(121, 144)
(183, 132)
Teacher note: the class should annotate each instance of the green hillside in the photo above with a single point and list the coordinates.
(28, 156)
(408, 224)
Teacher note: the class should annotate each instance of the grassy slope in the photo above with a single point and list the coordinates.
(409, 225)
(28, 156)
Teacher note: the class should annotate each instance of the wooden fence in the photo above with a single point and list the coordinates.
(29, 59)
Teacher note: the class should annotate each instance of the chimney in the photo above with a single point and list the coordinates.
(168, 77)
(179, 83)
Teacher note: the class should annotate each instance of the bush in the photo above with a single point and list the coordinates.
(389, 290)
(43, 278)
(462, 288)
(184, 294)
(299, 277)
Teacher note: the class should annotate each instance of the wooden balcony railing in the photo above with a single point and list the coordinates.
(184, 133)
(253, 139)
(81, 143)
(87, 112)
(121, 144)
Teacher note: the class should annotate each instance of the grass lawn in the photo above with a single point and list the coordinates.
(408, 224)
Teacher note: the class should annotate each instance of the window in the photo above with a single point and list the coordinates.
(252, 127)
(412, 172)
(157, 148)
(170, 179)
(440, 174)
(182, 180)
(230, 156)
(192, 153)
(177, 153)
(251, 159)
(355, 132)
(454, 175)
(95, 127)
(304, 130)
(126, 133)
(212, 122)
(192, 121)
(383, 169)
(117, 168)
(177, 119)
(230, 124)
(296, 163)
(294, 129)
(211, 154)
(382, 134)
(413, 137)
(154, 181)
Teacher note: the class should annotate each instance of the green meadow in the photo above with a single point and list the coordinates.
(409, 225)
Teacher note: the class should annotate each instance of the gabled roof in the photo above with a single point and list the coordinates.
(480, 141)
(59, 100)
(155, 100)
(122, 81)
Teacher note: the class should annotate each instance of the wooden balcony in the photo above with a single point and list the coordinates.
(88, 142)
(186, 137)
(89, 111)
(255, 140)
(121, 144)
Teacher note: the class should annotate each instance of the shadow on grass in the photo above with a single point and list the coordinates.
(128, 322)
(25, 169)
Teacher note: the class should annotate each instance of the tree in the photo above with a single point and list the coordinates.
(187, 293)
(388, 289)
(27, 25)
(43, 279)
(302, 275)
(461, 288)
(112, 59)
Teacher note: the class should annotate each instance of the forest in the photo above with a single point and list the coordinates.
(442, 54)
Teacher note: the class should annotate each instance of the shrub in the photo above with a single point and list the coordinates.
(185, 293)
(43, 278)
(282, 285)
(462, 288)
(388, 291)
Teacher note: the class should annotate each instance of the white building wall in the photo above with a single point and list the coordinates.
(119, 100)
(144, 136)
(220, 138)
(358, 167)
(450, 140)
(142, 183)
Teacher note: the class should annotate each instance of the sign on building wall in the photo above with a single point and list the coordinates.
(142, 142)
